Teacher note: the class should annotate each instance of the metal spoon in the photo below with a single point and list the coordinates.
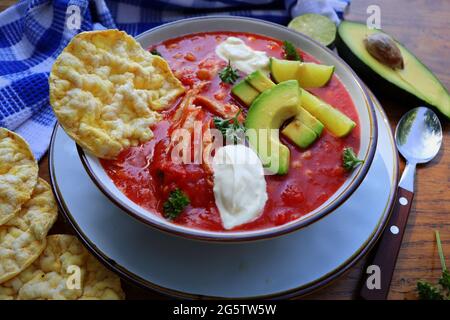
(418, 137)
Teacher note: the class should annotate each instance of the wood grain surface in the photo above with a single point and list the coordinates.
(423, 27)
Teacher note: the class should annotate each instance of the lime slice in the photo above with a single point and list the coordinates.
(315, 26)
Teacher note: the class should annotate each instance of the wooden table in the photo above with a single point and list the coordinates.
(423, 27)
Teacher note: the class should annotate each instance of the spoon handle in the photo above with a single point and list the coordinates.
(376, 282)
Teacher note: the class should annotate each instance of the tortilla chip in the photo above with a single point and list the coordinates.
(22, 239)
(18, 174)
(104, 88)
(51, 277)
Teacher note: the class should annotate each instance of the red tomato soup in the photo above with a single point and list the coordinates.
(147, 175)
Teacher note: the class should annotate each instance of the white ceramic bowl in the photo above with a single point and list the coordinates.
(352, 83)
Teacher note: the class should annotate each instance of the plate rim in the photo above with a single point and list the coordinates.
(267, 233)
(291, 293)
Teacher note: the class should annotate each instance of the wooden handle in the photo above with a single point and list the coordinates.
(378, 273)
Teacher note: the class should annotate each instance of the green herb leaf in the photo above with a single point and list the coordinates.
(175, 204)
(231, 128)
(349, 159)
(155, 52)
(440, 251)
(290, 51)
(428, 292)
(444, 280)
(228, 74)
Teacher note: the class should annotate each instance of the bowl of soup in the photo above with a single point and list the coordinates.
(273, 132)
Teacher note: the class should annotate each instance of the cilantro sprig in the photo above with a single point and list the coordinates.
(349, 159)
(231, 128)
(290, 51)
(175, 204)
(441, 291)
(228, 74)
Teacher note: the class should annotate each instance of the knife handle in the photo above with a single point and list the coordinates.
(386, 252)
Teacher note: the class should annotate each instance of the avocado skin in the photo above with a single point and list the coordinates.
(377, 83)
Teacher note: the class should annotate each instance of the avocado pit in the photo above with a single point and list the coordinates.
(385, 50)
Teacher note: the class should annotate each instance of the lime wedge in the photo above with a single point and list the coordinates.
(315, 26)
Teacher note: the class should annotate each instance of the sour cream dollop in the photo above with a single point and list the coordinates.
(241, 56)
(239, 185)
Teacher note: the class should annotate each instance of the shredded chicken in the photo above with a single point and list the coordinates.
(190, 111)
(188, 100)
(227, 110)
(208, 144)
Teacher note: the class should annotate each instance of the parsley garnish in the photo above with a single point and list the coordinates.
(428, 291)
(175, 204)
(155, 52)
(444, 280)
(228, 74)
(349, 159)
(290, 51)
(231, 128)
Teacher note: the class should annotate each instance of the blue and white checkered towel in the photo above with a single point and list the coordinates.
(34, 32)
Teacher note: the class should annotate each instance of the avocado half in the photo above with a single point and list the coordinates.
(414, 81)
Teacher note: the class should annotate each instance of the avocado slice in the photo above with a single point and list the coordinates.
(299, 133)
(304, 129)
(310, 121)
(314, 75)
(308, 74)
(334, 120)
(414, 81)
(283, 70)
(269, 111)
(245, 92)
(259, 81)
